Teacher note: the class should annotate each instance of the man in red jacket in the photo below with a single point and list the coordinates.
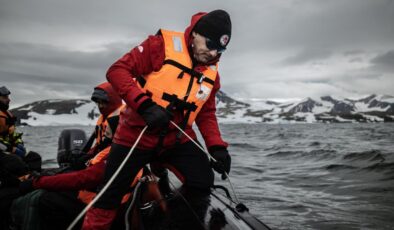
(171, 76)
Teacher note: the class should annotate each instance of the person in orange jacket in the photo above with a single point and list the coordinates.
(171, 76)
(109, 104)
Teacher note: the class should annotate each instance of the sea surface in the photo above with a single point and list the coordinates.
(298, 176)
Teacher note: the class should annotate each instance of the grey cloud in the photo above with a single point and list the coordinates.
(384, 61)
(307, 55)
(353, 53)
(40, 41)
(59, 56)
(11, 77)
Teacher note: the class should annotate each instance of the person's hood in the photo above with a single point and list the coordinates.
(114, 100)
(188, 33)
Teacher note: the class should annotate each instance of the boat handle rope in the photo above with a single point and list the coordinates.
(126, 217)
(108, 183)
(210, 158)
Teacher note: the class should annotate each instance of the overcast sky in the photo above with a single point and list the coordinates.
(279, 48)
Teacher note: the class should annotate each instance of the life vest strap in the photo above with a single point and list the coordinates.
(141, 80)
(200, 77)
(178, 103)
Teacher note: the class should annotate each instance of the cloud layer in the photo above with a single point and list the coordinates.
(279, 49)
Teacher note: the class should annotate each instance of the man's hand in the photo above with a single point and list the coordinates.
(223, 160)
(79, 162)
(155, 116)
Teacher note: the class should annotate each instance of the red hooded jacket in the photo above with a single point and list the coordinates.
(114, 100)
(142, 60)
(112, 109)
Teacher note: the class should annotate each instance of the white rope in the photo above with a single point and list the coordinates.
(126, 217)
(202, 149)
(209, 157)
(108, 183)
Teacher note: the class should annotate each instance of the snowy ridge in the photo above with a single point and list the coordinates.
(374, 108)
(327, 109)
(57, 112)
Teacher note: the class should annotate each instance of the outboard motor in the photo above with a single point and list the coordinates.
(71, 143)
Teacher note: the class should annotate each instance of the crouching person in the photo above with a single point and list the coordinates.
(58, 199)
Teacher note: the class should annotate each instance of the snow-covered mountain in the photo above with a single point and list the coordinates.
(57, 112)
(374, 108)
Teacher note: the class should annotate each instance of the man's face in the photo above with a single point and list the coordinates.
(200, 50)
(101, 105)
(5, 100)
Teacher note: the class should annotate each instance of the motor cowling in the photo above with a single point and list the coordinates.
(70, 145)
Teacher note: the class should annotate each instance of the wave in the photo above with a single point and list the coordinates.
(382, 166)
(315, 143)
(340, 167)
(244, 146)
(371, 155)
(318, 154)
(378, 190)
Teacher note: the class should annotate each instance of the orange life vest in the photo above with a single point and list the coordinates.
(102, 123)
(87, 196)
(7, 123)
(176, 84)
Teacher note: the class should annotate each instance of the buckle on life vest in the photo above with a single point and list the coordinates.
(201, 79)
(178, 103)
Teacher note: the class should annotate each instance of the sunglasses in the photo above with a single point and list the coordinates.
(211, 45)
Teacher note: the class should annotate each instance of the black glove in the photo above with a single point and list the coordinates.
(26, 186)
(154, 115)
(223, 160)
(78, 162)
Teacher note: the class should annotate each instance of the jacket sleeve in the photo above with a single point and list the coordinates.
(88, 178)
(207, 122)
(141, 60)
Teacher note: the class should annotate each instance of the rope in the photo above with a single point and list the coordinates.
(127, 224)
(209, 157)
(108, 183)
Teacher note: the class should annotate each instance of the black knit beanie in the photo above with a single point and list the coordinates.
(216, 25)
(99, 94)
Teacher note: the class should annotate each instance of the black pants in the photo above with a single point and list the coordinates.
(189, 162)
(7, 195)
(58, 209)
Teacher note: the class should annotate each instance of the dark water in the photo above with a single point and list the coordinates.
(304, 176)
